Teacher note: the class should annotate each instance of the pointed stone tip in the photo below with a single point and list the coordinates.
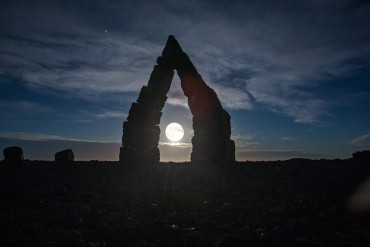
(171, 41)
(172, 46)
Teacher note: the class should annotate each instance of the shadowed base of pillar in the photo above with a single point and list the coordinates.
(213, 148)
(139, 155)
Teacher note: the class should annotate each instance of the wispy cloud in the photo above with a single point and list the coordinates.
(177, 144)
(101, 64)
(244, 141)
(361, 141)
(288, 138)
(277, 155)
(301, 106)
(175, 151)
(178, 102)
(22, 107)
(233, 98)
(110, 114)
(275, 58)
(44, 138)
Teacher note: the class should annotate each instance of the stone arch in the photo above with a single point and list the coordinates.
(211, 123)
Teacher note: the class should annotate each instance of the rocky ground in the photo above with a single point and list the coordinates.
(288, 203)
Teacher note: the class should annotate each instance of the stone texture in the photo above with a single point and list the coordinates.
(151, 98)
(139, 154)
(213, 148)
(170, 53)
(211, 123)
(140, 132)
(13, 154)
(160, 79)
(137, 135)
(216, 123)
(144, 115)
(64, 156)
(362, 155)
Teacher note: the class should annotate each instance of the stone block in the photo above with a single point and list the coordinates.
(13, 154)
(217, 123)
(209, 142)
(166, 62)
(161, 79)
(184, 66)
(201, 98)
(192, 84)
(139, 154)
(142, 114)
(361, 155)
(214, 148)
(65, 156)
(137, 135)
(151, 98)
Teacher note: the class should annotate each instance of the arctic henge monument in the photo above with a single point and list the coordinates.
(211, 123)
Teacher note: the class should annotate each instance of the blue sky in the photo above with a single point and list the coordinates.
(293, 75)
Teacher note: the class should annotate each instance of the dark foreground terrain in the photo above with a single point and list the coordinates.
(290, 203)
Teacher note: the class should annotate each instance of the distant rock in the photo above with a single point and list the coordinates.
(362, 155)
(65, 156)
(13, 154)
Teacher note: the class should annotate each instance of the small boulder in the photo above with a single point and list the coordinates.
(65, 156)
(13, 154)
(362, 155)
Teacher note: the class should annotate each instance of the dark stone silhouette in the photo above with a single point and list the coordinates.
(13, 154)
(65, 156)
(211, 123)
(362, 155)
(141, 131)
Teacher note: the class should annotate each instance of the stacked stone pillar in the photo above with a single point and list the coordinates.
(211, 123)
(141, 130)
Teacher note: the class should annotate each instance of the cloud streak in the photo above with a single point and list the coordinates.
(361, 141)
(275, 58)
(110, 114)
(243, 142)
(288, 138)
(11, 107)
(45, 138)
(277, 155)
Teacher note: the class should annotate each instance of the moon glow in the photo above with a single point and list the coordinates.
(174, 132)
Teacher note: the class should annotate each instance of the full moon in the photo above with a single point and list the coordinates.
(174, 132)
